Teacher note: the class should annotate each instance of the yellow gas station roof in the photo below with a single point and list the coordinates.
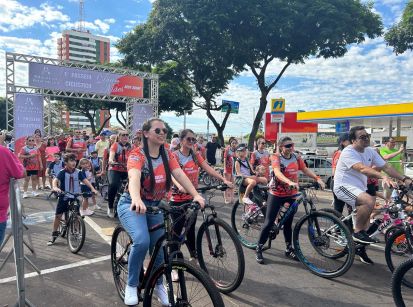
(372, 116)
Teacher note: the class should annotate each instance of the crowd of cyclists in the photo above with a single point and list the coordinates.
(158, 171)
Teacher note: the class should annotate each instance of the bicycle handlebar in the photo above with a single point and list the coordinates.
(305, 186)
(165, 207)
(221, 187)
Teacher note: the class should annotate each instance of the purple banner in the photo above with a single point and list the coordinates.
(141, 112)
(28, 114)
(70, 79)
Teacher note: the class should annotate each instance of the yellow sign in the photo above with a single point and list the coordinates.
(277, 105)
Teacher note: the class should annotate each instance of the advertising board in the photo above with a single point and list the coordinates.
(141, 112)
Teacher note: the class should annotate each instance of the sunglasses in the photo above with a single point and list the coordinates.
(30, 140)
(261, 143)
(159, 130)
(78, 132)
(124, 134)
(190, 140)
(364, 137)
(289, 145)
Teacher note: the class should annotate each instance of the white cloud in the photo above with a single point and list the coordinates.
(100, 26)
(14, 15)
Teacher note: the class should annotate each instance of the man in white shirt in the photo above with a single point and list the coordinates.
(357, 162)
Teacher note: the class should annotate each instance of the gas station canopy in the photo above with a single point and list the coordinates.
(381, 116)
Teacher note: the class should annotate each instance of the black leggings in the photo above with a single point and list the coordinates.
(178, 220)
(115, 179)
(274, 204)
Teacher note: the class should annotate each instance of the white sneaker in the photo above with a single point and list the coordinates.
(174, 275)
(161, 294)
(89, 212)
(97, 206)
(35, 194)
(131, 295)
(247, 201)
(25, 195)
(110, 213)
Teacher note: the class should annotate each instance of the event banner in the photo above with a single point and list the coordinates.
(61, 78)
(141, 112)
(27, 117)
(302, 140)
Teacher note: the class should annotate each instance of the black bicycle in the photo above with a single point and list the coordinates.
(194, 286)
(219, 251)
(322, 242)
(401, 277)
(73, 226)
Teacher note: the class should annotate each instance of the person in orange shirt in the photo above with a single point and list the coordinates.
(150, 171)
(229, 158)
(77, 145)
(32, 162)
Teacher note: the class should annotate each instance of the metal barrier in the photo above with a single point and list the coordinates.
(16, 212)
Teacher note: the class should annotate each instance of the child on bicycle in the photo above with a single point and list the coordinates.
(67, 180)
(250, 179)
(55, 167)
(86, 168)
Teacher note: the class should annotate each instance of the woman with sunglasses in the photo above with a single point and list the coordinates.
(118, 156)
(229, 158)
(283, 188)
(190, 162)
(150, 170)
(32, 162)
(260, 158)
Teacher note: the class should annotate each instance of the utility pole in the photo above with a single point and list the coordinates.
(81, 22)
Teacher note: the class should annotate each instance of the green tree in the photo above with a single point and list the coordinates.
(3, 110)
(291, 32)
(400, 36)
(188, 34)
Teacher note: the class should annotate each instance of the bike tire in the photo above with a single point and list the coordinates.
(319, 236)
(398, 279)
(227, 277)
(76, 233)
(247, 229)
(104, 188)
(187, 272)
(119, 255)
(397, 250)
(389, 232)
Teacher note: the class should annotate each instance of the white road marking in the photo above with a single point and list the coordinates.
(59, 268)
(98, 229)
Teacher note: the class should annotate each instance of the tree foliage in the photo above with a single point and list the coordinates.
(400, 36)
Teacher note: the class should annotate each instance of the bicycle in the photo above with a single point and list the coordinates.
(193, 283)
(120, 191)
(209, 180)
(401, 276)
(219, 251)
(315, 234)
(73, 225)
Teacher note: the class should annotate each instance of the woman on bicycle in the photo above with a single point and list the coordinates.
(283, 190)
(190, 162)
(229, 157)
(118, 156)
(150, 169)
(260, 158)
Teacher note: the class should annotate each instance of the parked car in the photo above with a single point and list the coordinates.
(319, 165)
(408, 170)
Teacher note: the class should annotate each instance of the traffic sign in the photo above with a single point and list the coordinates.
(277, 118)
(278, 106)
(234, 106)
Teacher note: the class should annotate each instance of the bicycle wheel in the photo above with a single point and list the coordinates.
(247, 226)
(76, 233)
(397, 249)
(323, 244)
(390, 232)
(403, 273)
(104, 188)
(222, 258)
(194, 287)
(120, 249)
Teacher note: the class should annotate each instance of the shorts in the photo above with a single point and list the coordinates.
(32, 173)
(62, 205)
(85, 189)
(348, 194)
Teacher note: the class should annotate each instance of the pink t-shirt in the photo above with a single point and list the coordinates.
(50, 151)
(11, 168)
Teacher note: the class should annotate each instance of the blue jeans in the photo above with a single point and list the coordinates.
(2, 231)
(136, 225)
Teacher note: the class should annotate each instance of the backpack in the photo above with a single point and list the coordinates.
(242, 163)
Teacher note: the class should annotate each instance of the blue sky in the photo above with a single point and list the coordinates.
(369, 74)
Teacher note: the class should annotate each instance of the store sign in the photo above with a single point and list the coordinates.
(302, 140)
(278, 106)
(61, 78)
(327, 139)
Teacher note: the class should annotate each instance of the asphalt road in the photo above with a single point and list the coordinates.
(85, 279)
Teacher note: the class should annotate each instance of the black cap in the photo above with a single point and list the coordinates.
(343, 137)
(241, 147)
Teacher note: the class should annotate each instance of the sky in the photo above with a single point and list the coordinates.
(369, 74)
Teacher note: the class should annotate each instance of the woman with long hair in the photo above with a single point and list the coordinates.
(260, 158)
(150, 171)
(229, 158)
(41, 146)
